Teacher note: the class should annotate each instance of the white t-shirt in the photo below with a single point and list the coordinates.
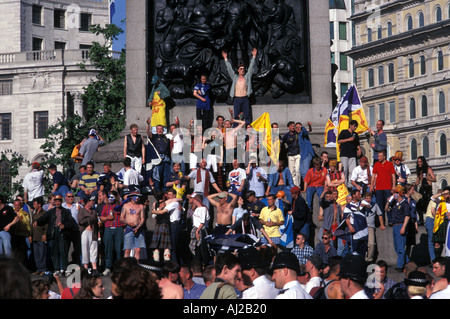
(442, 294)
(132, 177)
(360, 175)
(32, 182)
(174, 210)
(254, 184)
(237, 177)
(200, 216)
(177, 144)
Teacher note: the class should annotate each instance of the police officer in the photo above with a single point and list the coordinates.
(353, 276)
(285, 269)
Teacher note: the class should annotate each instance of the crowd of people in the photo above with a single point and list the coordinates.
(201, 184)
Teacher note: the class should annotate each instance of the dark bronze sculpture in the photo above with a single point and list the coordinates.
(189, 36)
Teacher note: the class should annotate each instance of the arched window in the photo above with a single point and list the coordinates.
(391, 72)
(369, 35)
(409, 23)
(440, 61)
(444, 183)
(441, 101)
(443, 145)
(425, 147)
(370, 78)
(411, 68)
(438, 14)
(424, 105)
(380, 75)
(423, 67)
(379, 33)
(389, 29)
(421, 20)
(412, 108)
(413, 148)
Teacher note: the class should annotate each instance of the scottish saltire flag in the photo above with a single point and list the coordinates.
(112, 10)
(287, 232)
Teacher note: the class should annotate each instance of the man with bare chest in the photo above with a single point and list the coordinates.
(224, 211)
(133, 217)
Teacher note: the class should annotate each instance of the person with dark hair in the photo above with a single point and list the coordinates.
(88, 182)
(40, 289)
(16, 282)
(60, 183)
(248, 224)
(88, 224)
(91, 288)
(280, 180)
(169, 281)
(191, 289)
(349, 145)
(134, 282)
(290, 139)
(32, 183)
(228, 268)
(272, 218)
(134, 148)
(356, 221)
(379, 284)
(90, 146)
(202, 91)
(425, 180)
(39, 238)
(314, 181)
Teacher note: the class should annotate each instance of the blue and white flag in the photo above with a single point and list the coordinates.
(447, 242)
(287, 232)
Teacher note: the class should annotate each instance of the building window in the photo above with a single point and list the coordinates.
(40, 124)
(333, 58)
(421, 20)
(379, 33)
(424, 106)
(344, 88)
(411, 68)
(391, 72)
(412, 108)
(343, 62)
(438, 14)
(441, 101)
(392, 112)
(380, 75)
(331, 30)
(409, 23)
(59, 19)
(37, 15)
(6, 87)
(60, 45)
(381, 112)
(423, 68)
(413, 148)
(85, 21)
(369, 35)
(370, 77)
(440, 61)
(5, 126)
(444, 183)
(389, 29)
(425, 147)
(371, 115)
(37, 44)
(342, 31)
(443, 145)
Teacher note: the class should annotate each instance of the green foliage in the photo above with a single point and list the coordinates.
(11, 162)
(104, 100)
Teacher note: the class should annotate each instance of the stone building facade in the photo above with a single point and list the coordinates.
(41, 45)
(402, 62)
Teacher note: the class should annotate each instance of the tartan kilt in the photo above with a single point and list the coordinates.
(440, 235)
(161, 237)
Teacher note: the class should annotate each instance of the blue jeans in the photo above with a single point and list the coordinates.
(113, 239)
(286, 189)
(62, 190)
(400, 245)
(5, 244)
(429, 225)
(381, 197)
(305, 162)
(310, 194)
(242, 104)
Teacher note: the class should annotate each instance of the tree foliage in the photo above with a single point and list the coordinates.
(104, 100)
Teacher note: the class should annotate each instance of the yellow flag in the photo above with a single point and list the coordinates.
(440, 215)
(262, 124)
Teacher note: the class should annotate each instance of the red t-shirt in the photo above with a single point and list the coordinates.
(316, 178)
(384, 175)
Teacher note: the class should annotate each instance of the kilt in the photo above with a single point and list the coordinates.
(161, 237)
(440, 235)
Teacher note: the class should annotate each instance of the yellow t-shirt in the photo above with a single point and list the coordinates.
(275, 215)
(158, 111)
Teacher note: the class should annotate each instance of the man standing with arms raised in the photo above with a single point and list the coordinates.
(241, 87)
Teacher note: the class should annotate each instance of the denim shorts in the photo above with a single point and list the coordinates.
(132, 240)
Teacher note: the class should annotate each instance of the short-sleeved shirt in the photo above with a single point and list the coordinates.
(89, 148)
(33, 184)
(316, 178)
(89, 181)
(275, 215)
(348, 149)
(384, 173)
(203, 90)
(58, 178)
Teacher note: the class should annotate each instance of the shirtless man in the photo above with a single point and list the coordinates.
(224, 210)
(168, 282)
(133, 217)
